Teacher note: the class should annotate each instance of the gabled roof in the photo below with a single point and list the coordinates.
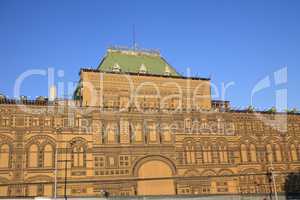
(132, 61)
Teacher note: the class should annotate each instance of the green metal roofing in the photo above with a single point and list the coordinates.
(132, 60)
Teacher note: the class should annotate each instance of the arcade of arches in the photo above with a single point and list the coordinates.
(181, 164)
(106, 147)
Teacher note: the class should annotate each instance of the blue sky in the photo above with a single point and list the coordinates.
(229, 41)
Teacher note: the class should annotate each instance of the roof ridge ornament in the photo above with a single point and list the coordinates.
(134, 51)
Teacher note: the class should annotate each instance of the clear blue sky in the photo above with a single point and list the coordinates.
(240, 41)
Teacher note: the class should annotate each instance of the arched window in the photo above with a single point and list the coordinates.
(215, 153)
(48, 156)
(138, 132)
(4, 156)
(187, 125)
(278, 155)
(78, 156)
(32, 159)
(223, 154)
(190, 154)
(166, 134)
(253, 153)
(244, 155)
(152, 136)
(111, 133)
(207, 154)
(200, 154)
(75, 157)
(269, 153)
(294, 155)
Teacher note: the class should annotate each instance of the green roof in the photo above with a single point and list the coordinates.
(132, 61)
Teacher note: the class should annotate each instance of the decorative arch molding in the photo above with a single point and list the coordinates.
(225, 172)
(249, 171)
(189, 139)
(208, 172)
(293, 140)
(200, 143)
(272, 140)
(199, 148)
(39, 178)
(205, 139)
(248, 140)
(145, 159)
(43, 144)
(207, 143)
(78, 152)
(191, 172)
(78, 141)
(221, 141)
(5, 140)
(40, 140)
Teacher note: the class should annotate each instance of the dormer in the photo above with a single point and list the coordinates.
(143, 69)
(167, 70)
(116, 68)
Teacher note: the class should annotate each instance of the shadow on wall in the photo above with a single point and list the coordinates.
(292, 186)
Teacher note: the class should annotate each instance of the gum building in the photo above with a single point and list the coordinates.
(138, 127)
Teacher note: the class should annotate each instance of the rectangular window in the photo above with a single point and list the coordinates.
(138, 132)
(27, 121)
(47, 122)
(152, 132)
(167, 137)
(35, 122)
(187, 125)
(5, 121)
(111, 131)
(66, 122)
(249, 126)
(99, 162)
(124, 161)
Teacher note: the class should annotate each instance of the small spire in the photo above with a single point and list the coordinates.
(167, 70)
(143, 69)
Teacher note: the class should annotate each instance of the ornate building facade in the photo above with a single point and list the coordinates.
(137, 127)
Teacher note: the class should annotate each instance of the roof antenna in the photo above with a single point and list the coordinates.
(133, 38)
